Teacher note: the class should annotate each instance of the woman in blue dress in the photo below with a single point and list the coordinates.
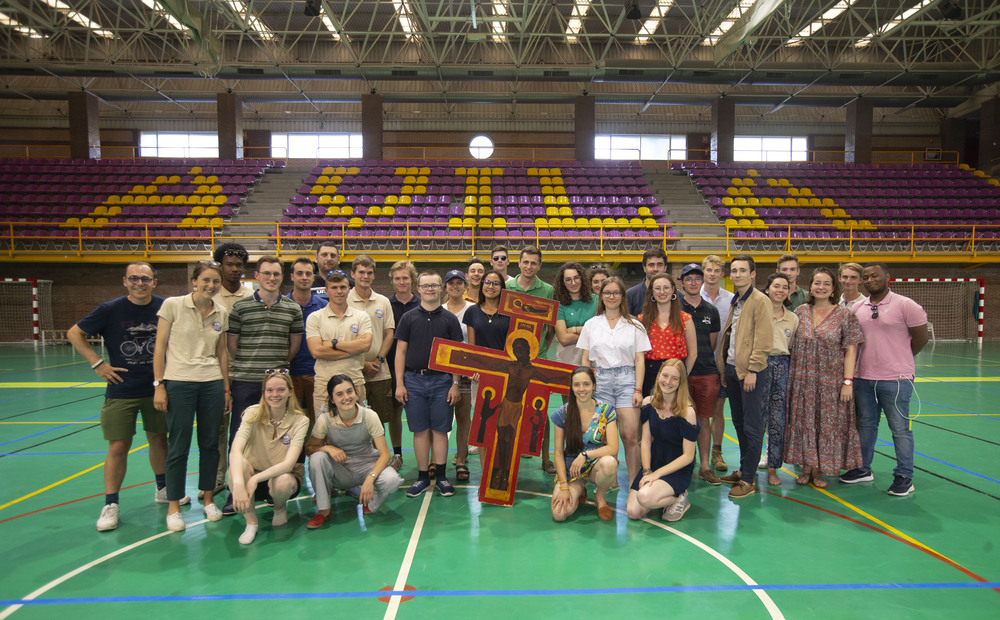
(586, 446)
(669, 435)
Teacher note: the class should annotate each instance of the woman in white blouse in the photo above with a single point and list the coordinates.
(614, 344)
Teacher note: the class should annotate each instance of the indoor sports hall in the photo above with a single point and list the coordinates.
(834, 131)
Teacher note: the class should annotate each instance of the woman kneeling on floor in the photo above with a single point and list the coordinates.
(341, 454)
(266, 450)
(669, 432)
(586, 446)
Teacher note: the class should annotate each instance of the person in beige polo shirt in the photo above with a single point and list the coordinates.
(378, 382)
(338, 336)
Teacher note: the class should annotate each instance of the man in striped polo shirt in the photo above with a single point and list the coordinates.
(265, 332)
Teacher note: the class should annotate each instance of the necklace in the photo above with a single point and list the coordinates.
(489, 317)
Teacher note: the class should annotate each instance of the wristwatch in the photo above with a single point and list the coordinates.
(380, 358)
(848, 382)
(157, 384)
(333, 344)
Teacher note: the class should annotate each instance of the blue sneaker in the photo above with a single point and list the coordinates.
(418, 487)
(444, 487)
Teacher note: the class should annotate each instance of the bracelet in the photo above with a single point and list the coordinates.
(226, 392)
(638, 390)
(96, 364)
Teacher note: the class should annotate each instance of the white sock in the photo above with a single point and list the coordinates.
(248, 534)
(280, 517)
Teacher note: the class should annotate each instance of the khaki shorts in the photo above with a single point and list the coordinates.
(118, 417)
(380, 398)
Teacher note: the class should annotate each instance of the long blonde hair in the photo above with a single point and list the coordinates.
(682, 400)
(623, 308)
(262, 414)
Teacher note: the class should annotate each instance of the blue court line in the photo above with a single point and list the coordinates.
(966, 385)
(64, 453)
(50, 430)
(988, 416)
(936, 460)
(251, 596)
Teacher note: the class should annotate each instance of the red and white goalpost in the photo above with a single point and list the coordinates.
(22, 302)
(954, 305)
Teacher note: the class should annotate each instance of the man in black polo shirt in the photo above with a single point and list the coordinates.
(703, 383)
(429, 395)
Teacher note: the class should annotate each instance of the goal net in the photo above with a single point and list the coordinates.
(954, 306)
(25, 309)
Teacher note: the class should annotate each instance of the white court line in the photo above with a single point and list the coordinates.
(769, 604)
(411, 550)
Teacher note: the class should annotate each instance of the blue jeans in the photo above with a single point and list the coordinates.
(893, 398)
(244, 394)
(747, 409)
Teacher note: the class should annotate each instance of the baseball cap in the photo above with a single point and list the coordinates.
(454, 273)
(691, 268)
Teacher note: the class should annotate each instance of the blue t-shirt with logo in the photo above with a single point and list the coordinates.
(129, 333)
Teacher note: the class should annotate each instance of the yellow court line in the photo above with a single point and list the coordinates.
(877, 521)
(77, 422)
(55, 484)
(53, 384)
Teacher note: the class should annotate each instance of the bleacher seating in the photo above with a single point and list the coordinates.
(877, 206)
(568, 205)
(112, 204)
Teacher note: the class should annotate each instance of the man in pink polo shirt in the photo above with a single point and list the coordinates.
(895, 329)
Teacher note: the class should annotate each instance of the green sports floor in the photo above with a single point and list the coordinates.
(790, 551)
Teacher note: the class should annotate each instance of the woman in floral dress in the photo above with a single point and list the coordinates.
(821, 434)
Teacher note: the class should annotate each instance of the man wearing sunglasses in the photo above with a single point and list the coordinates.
(895, 329)
(265, 332)
(500, 261)
(128, 326)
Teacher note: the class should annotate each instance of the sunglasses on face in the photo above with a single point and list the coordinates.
(499, 258)
(276, 371)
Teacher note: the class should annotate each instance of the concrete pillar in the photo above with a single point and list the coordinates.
(723, 129)
(953, 139)
(84, 126)
(371, 126)
(229, 108)
(989, 135)
(584, 127)
(858, 133)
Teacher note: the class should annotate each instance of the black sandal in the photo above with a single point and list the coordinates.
(462, 473)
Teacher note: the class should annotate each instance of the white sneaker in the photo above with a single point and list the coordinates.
(175, 522)
(473, 449)
(675, 511)
(212, 512)
(762, 464)
(160, 497)
(108, 519)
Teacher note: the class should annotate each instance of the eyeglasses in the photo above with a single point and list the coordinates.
(138, 279)
(874, 312)
(234, 252)
(492, 283)
(498, 258)
(429, 287)
(276, 371)
(210, 263)
(573, 279)
(611, 293)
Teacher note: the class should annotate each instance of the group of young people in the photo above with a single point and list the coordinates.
(321, 371)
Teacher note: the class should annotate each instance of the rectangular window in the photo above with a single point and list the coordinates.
(640, 147)
(770, 148)
(177, 144)
(316, 145)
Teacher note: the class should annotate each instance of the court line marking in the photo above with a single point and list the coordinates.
(52, 384)
(55, 484)
(411, 550)
(65, 423)
(768, 603)
(883, 442)
(257, 596)
(80, 421)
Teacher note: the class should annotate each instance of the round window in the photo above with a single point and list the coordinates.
(481, 147)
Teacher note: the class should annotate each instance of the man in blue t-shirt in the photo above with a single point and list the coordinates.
(128, 326)
(303, 365)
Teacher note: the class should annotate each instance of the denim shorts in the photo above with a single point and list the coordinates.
(427, 402)
(615, 386)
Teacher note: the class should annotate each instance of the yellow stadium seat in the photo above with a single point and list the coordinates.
(374, 211)
(391, 200)
(555, 172)
(155, 199)
(499, 223)
(406, 190)
(400, 170)
(100, 210)
(485, 222)
(468, 222)
(753, 201)
(211, 179)
(805, 191)
(333, 211)
(161, 180)
(388, 210)
(196, 211)
(732, 191)
(485, 189)
(784, 183)
(746, 191)
(203, 222)
(740, 201)
(114, 211)
(187, 222)
(217, 222)
(113, 200)
(649, 222)
(207, 199)
(728, 201)
(549, 200)
(565, 211)
(353, 170)
(215, 189)
(410, 179)
(174, 179)
(736, 181)
(645, 212)
(802, 202)
(497, 172)
(322, 180)
(766, 202)
(828, 202)
(455, 222)
(815, 202)
(100, 222)
(169, 199)
(420, 190)
(749, 212)
(316, 189)
(748, 182)
(793, 191)
(356, 222)
(772, 182)
(778, 201)
(532, 172)
(211, 210)
(594, 222)
(745, 223)
(472, 189)
(469, 210)
(472, 172)
(736, 212)
(199, 180)
(421, 180)
(485, 200)
(329, 170)
(827, 213)
(546, 190)
(471, 200)
(347, 210)
(325, 199)
(460, 172)
(340, 170)
(202, 189)
(195, 170)
(758, 223)
(840, 213)
(731, 223)
(485, 180)
(424, 170)
(71, 222)
(128, 200)
(405, 200)
(979, 173)
(552, 211)
(752, 173)
(541, 222)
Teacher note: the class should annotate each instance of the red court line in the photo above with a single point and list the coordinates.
(929, 552)
(73, 501)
